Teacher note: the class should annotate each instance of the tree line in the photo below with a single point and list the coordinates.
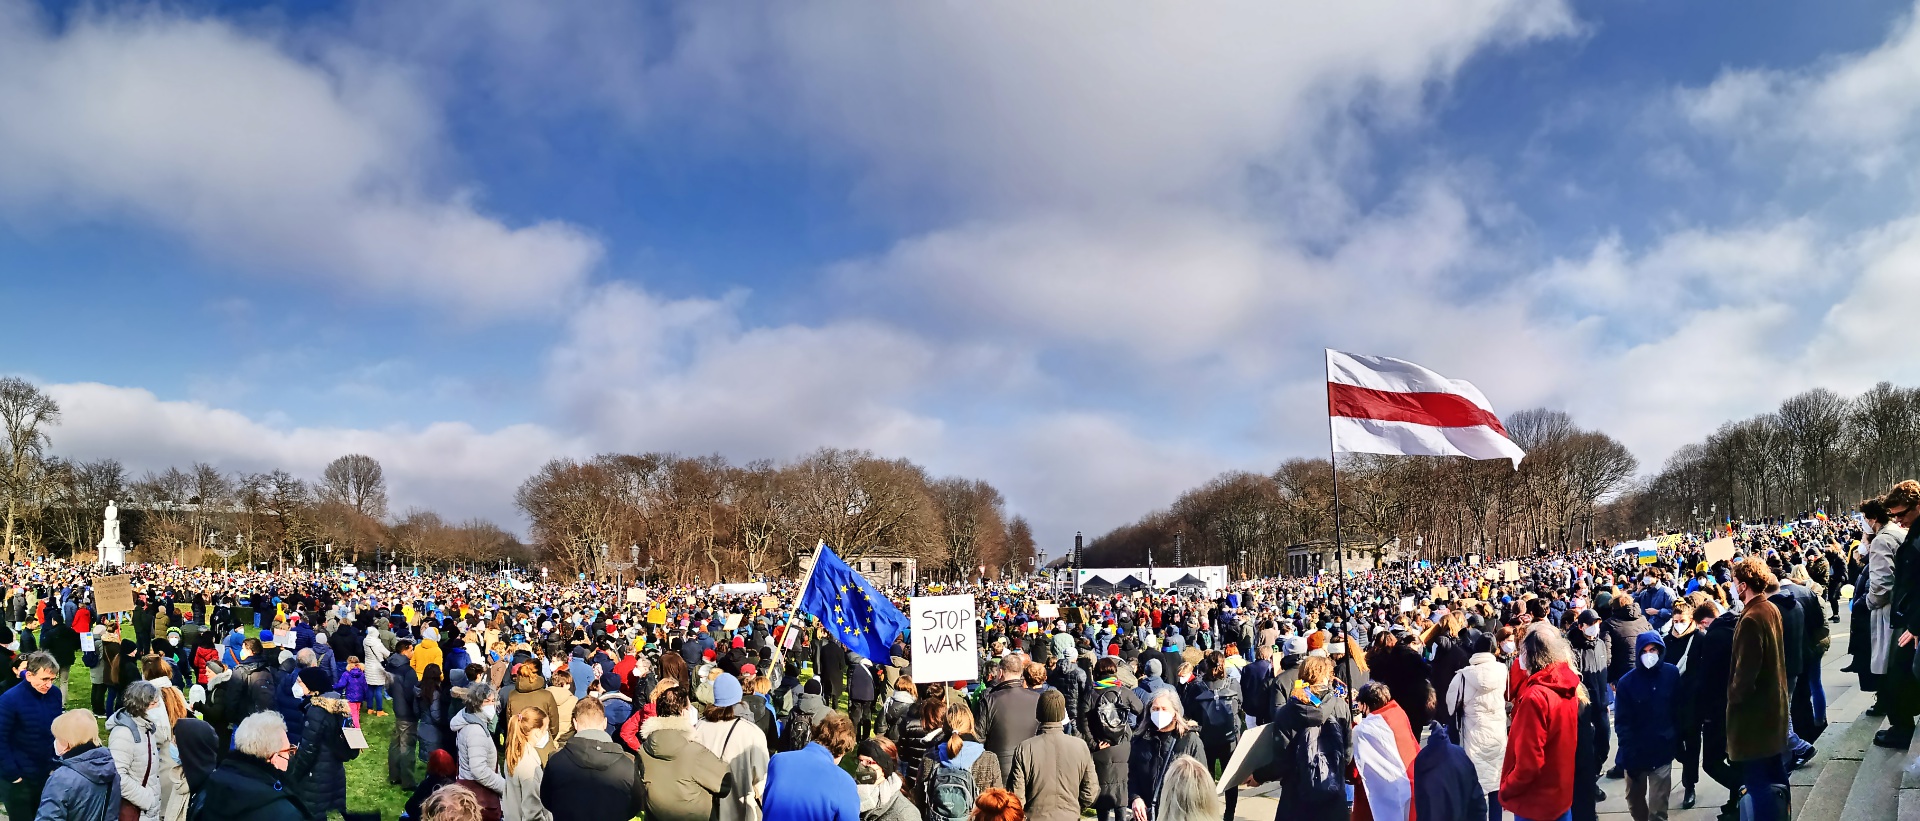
(1391, 507)
(700, 519)
(1819, 451)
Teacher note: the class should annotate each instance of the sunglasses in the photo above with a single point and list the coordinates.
(1901, 513)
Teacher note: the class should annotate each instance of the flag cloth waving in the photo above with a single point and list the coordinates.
(856, 614)
(1382, 405)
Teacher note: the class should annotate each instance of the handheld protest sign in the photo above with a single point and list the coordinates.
(1510, 571)
(114, 594)
(945, 645)
(1047, 609)
(769, 603)
(1720, 550)
(635, 595)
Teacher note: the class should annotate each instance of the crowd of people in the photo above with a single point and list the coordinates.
(1446, 691)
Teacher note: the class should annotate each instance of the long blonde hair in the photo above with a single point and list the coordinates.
(520, 732)
(1186, 792)
(959, 723)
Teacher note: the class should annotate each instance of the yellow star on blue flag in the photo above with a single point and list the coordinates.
(865, 621)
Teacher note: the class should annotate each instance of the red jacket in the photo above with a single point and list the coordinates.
(1536, 780)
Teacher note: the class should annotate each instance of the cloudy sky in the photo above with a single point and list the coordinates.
(1089, 251)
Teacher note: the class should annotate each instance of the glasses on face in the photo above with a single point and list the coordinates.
(1900, 514)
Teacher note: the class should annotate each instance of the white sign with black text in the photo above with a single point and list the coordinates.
(945, 644)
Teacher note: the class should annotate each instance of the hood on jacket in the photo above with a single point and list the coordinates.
(1650, 637)
(464, 718)
(94, 764)
(669, 744)
(527, 681)
(595, 754)
(970, 751)
(811, 703)
(1628, 613)
(1560, 678)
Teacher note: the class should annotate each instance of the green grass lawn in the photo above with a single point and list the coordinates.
(367, 787)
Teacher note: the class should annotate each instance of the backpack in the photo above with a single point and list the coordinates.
(1317, 757)
(950, 792)
(1218, 721)
(1110, 723)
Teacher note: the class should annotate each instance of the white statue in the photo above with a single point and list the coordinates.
(111, 551)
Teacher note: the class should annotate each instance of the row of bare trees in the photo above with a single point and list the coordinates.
(686, 519)
(1818, 451)
(1427, 507)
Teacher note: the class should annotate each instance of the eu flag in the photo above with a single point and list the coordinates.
(850, 608)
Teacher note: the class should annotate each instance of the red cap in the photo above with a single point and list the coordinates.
(748, 669)
(708, 655)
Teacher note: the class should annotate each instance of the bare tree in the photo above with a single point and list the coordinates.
(25, 412)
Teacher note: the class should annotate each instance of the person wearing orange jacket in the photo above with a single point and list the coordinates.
(1536, 777)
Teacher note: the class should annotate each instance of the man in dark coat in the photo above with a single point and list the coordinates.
(1009, 709)
(251, 784)
(1756, 703)
(1900, 691)
(832, 665)
(592, 778)
(404, 686)
(1256, 687)
(1624, 623)
(1445, 785)
(1592, 658)
(860, 697)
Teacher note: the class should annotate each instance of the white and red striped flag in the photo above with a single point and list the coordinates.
(1382, 405)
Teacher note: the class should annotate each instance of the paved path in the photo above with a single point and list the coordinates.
(1841, 754)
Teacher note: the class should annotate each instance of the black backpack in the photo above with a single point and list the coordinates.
(1111, 723)
(1219, 715)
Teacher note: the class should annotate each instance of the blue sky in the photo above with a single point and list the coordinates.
(1086, 251)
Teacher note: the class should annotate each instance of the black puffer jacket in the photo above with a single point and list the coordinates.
(1072, 682)
(318, 768)
(245, 788)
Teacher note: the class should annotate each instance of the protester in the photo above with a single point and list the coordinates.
(1645, 717)
(1384, 748)
(878, 784)
(84, 784)
(725, 729)
(473, 739)
(685, 781)
(26, 726)
(1310, 742)
(956, 768)
(592, 778)
(1757, 692)
(405, 689)
(136, 751)
(1476, 700)
(249, 784)
(1186, 794)
(322, 753)
(808, 784)
(527, 734)
(1053, 772)
(998, 805)
(1536, 775)
(1163, 737)
(441, 772)
(1445, 786)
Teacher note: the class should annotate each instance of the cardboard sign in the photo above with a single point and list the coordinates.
(355, 738)
(114, 594)
(1720, 550)
(1439, 593)
(635, 595)
(1076, 615)
(733, 622)
(1253, 751)
(769, 603)
(1406, 604)
(285, 638)
(945, 646)
(86, 642)
(1510, 570)
(1047, 610)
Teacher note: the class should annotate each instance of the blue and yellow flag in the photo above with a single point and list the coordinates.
(856, 614)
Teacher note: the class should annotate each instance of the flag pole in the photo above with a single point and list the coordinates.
(779, 647)
(1339, 544)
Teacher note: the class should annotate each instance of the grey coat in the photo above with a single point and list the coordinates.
(479, 759)
(136, 756)
(1052, 774)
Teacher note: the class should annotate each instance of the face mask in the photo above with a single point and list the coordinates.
(1161, 718)
(540, 739)
(1649, 659)
(489, 711)
(1592, 630)
(1506, 647)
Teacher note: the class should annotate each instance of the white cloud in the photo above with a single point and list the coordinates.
(448, 466)
(316, 168)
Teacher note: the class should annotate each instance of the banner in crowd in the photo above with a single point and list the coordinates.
(113, 594)
(945, 641)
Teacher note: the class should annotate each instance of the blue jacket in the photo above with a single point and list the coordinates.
(26, 723)
(1445, 785)
(85, 786)
(1644, 709)
(1655, 598)
(808, 785)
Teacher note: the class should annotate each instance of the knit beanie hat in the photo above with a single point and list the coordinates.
(1052, 707)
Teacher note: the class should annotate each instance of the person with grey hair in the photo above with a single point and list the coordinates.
(27, 711)
(288, 700)
(136, 750)
(1186, 793)
(473, 741)
(1165, 735)
(249, 784)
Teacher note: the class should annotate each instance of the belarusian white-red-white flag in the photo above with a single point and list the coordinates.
(1383, 405)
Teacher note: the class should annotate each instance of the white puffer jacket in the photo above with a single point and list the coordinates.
(1479, 696)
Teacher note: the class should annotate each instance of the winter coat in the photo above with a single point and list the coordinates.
(198, 746)
(245, 788)
(1445, 786)
(521, 801)
(1257, 691)
(1010, 718)
(1449, 655)
(374, 655)
(427, 652)
(136, 754)
(617, 706)
(405, 687)
(1879, 592)
(986, 769)
(1153, 751)
(1644, 710)
(1052, 773)
(1405, 673)
(1074, 684)
(84, 786)
(914, 740)
(352, 685)
(563, 704)
(530, 691)
(319, 764)
(743, 748)
(1477, 700)
(592, 778)
(473, 744)
(1756, 703)
(890, 803)
(26, 724)
(1291, 722)
(1621, 627)
(1536, 776)
(808, 785)
(684, 780)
